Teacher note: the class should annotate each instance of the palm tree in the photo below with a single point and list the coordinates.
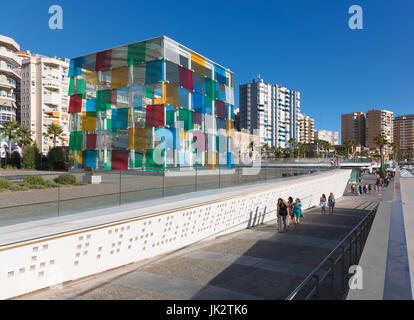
(24, 137)
(347, 145)
(9, 130)
(54, 131)
(395, 150)
(381, 142)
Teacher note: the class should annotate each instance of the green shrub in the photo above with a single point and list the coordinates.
(15, 160)
(66, 179)
(34, 180)
(51, 184)
(5, 184)
(29, 157)
(18, 187)
(56, 158)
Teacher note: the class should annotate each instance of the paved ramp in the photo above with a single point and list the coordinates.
(256, 263)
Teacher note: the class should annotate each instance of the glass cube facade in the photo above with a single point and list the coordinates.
(150, 105)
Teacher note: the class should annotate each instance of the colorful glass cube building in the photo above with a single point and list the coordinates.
(151, 105)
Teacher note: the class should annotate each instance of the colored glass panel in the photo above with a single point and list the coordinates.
(154, 159)
(199, 141)
(80, 86)
(220, 74)
(120, 159)
(71, 90)
(75, 140)
(196, 117)
(89, 158)
(90, 105)
(136, 53)
(119, 77)
(220, 109)
(88, 121)
(91, 141)
(171, 94)
(210, 88)
(186, 80)
(198, 102)
(184, 98)
(171, 73)
(198, 83)
(103, 60)
(154, 72)
(186, 116)
(103, 100)
(155, 116)
(75, 103)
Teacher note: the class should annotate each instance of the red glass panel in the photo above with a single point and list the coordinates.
(155, 116)
(75, 103)
(91, 141)
(103, 60)
(186, 78)
(120, 159)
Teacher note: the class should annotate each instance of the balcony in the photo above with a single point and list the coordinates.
(8, 95)
(10, 70)
(7, 83)
(51, 99)
(10, 56)
(51, 84)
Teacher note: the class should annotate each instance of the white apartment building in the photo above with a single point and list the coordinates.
(306, 129)
(44, 97)
(270, 111)
(331, 136)
(10, 63)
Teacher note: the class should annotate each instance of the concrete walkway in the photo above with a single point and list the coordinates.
(256, 263)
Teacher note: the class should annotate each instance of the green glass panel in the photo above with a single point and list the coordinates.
(150, 163)
(147, 92)
(187, 117)
(170, 119)
(139, 159)
(103, 100)
(210, 87)
(71, 87)
(75, 140)
(80, 86)
(136, 53)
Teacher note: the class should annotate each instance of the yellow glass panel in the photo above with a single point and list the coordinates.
(158, 101)
(119, 77)
(88, 123)
(198, 59)
(210, 158)
(79, 158)
(91, 77)
(140, 138)
(171, 95)
(131, 135)
(56, 114)
(55, 122)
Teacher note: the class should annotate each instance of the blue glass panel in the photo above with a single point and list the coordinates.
(154, 71)
(198, 102)
(220, 74)
(90, 105)
(183, 93)
(89, 158)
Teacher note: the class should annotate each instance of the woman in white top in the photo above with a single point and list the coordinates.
(322, 203)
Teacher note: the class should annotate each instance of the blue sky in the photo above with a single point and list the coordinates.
(302, 44)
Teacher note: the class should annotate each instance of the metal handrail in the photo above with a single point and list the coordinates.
(314, 274)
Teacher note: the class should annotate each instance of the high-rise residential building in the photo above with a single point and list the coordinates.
(270, 111)
(331, 136)
(10, 63)
(150, 105)
(379, 122)
(353, 126)
(404, 131)
(44, 97)
(306, 129)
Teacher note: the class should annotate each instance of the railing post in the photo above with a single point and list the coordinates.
(120, 185)
(331, 260)
(163, 183)
(58, 202)
(316, 276)
(195, 187)
(343, 268)
(219, 176)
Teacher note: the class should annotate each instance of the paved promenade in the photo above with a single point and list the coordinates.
(256, 263)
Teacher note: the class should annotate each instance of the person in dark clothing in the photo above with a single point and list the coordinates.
(282, 212)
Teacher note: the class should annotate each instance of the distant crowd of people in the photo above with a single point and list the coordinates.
(291, 211)
(364, 188)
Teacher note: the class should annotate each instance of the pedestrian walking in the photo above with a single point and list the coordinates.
(282, 211)
(290, 211)
(297, 212)
(331, 203)
(322, 204)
